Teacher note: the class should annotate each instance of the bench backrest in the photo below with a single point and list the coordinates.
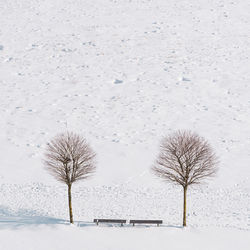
(109, 220)
(146, 221)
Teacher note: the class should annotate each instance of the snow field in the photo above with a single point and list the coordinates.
(22, 205)
(99, 238)
(123, 73)
(179, 65)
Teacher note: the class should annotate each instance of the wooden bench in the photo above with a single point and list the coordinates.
(158, 222)
(97, 221)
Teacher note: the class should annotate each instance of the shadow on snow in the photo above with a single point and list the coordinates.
(24, 217)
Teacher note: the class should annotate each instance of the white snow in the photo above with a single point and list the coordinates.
(123, 73)
(224, 207)
(99, 238)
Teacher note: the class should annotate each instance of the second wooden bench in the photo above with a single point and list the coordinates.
(157, 222)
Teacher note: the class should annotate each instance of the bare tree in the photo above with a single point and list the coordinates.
(185, 159)
(69, 158)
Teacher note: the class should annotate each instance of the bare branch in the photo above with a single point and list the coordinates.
(185, 158)
(69, 158)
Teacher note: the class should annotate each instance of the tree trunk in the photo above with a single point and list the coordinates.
(70, 204)
(184, 205)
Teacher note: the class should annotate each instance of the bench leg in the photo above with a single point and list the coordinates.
(122, 224)
(157, 225)
(133, 224)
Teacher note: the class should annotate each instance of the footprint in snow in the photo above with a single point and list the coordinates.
(184, 79)
(117, 81)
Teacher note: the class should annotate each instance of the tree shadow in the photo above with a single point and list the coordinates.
(84, 224)
(25, 218)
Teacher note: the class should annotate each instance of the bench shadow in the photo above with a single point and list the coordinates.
(155, 226)
(91, 224)
(171, 226)
(25, 218)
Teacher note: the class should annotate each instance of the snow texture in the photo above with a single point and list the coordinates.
(123, 73)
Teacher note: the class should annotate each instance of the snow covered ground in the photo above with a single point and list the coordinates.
(123, 73)
(35, 216)
(38, 203)
(112, 238)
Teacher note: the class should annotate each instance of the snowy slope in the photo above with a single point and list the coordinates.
(124, 73)
(183, 64)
